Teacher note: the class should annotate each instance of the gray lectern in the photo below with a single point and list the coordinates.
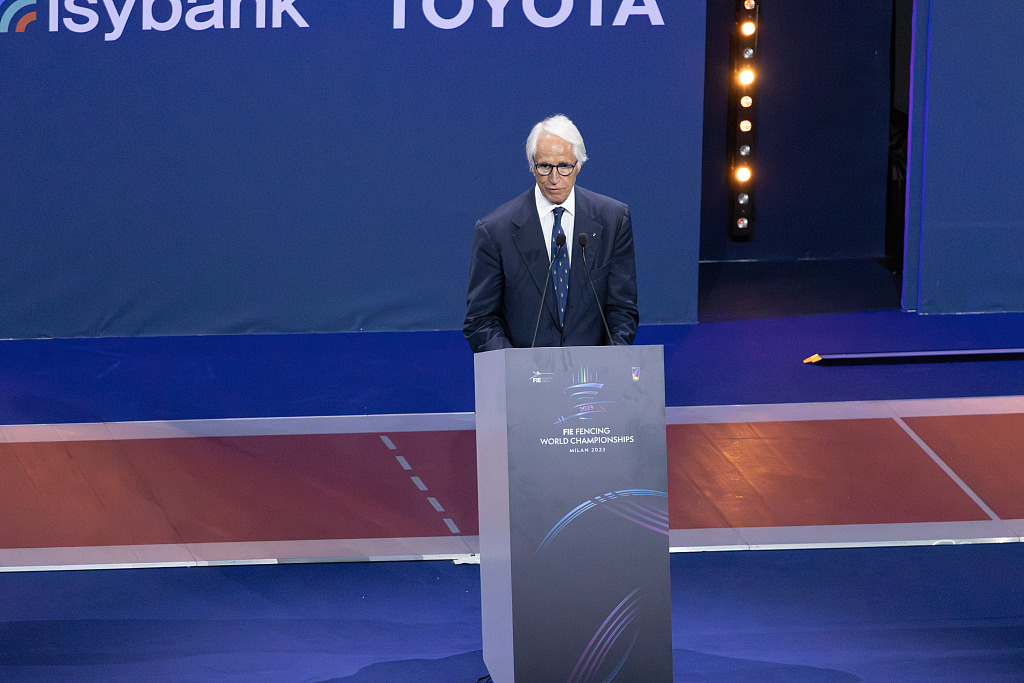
(573, 514)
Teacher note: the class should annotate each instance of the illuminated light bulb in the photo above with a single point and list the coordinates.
(746, 77)
(745, 126)
(749, 4)
(748, 28)
(743, 174)
(746, 101)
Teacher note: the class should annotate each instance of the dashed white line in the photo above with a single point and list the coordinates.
(420, 484)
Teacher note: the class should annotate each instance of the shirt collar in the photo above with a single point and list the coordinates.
(545, 206)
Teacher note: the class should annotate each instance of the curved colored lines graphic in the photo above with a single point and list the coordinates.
(620, 620)
(564, 522)
(584, 388)
(622, 503)
(583, 394)
(583, 397)
(646, 516)
(12, 9)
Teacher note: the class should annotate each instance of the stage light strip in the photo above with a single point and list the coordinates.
(742, 122)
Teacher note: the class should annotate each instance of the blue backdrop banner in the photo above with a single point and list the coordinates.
(307, 166)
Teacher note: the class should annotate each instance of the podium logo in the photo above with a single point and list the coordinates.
(114, 17)
(583, 393)
(11, 11)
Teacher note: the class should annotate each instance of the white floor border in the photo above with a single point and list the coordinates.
(433, 422)
(466, 549)
(846, 536)
(220, 554)
(845, 410)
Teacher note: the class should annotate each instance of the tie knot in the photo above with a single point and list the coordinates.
(558, 211)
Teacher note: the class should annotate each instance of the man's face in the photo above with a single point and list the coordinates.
(553, 150)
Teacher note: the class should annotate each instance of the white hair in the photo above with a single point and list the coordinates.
(559, 126)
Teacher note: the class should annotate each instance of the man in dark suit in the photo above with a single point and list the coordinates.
(516, 250)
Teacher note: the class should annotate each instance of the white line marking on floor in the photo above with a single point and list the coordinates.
(419, 483)
(946, 468)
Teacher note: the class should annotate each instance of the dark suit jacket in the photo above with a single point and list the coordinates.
(509, 266)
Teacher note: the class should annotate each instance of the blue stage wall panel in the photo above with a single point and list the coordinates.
(320, 167)
(963, 224)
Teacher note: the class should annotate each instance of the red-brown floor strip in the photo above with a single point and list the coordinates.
(985, 451)
(410, 484)
(806, 473)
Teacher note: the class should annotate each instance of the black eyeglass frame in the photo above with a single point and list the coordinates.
(560, 167)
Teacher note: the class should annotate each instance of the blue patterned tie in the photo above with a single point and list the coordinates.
(560, 272)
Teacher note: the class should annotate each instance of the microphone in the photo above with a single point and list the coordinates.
(559, 243)
(582, 239)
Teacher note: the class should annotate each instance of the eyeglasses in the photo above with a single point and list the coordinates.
(564, 169)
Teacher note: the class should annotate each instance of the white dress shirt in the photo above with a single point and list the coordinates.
(547, 219)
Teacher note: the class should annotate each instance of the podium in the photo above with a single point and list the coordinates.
(571, 465)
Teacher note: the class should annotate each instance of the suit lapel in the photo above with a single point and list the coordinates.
(579, 285)
(529, 240)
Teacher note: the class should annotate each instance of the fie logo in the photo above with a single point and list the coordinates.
(8, 14)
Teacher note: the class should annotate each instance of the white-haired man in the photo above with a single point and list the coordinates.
(516, 249)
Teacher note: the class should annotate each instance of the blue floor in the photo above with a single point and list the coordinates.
(758, 322)
(718, 363)
(945, 613)
(761, 361)
(744, 290)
